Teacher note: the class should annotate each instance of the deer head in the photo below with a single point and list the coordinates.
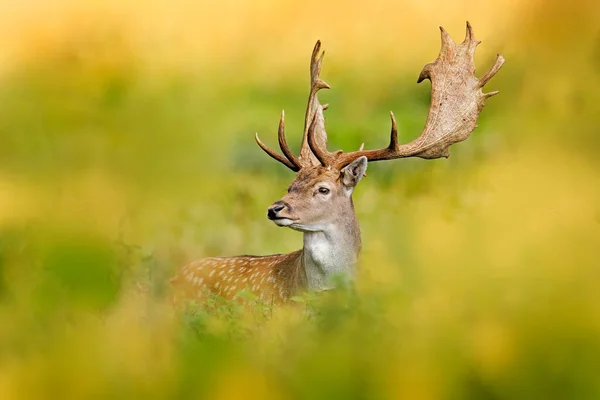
(321, 192)
(318, 197)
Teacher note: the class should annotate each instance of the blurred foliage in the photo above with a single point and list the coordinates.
(126, 150)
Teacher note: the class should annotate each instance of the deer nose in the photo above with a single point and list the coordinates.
(274, 210)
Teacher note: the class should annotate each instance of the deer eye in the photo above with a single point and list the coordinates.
(323, 190)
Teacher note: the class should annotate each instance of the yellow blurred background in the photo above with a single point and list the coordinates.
(126, 150)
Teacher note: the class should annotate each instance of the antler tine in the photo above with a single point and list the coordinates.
(490, 74)
(447, 41)
(275, 155)
(316, 61)
(314, 113)
(470, 36)
(456, 101)
(283, 143)
(394, 144)
(321, 155)
(290, 160)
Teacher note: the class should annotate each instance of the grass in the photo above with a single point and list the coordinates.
(126, 150)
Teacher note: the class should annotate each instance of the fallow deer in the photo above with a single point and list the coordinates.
(319, 200)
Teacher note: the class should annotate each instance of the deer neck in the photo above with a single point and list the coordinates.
(331, 251)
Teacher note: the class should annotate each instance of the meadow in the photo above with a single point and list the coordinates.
(127, 149)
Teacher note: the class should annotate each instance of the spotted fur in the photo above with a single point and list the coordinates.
(271, 278)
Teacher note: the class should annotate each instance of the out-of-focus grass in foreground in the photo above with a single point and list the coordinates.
(126, 150)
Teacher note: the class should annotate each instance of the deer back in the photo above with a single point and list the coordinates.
(271, 278)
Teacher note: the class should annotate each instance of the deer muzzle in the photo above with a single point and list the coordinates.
(279, 212)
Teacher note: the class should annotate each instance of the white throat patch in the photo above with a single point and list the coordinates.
(327, 254)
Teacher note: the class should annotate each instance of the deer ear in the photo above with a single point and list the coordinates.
(353, 172)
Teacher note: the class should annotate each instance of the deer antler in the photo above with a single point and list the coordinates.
(315, 136)
(314, 113)
(290, 160)
(456, 101)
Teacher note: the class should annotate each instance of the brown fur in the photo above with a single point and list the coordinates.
(275, 277)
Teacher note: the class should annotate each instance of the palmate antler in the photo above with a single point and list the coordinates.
(456, 101)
